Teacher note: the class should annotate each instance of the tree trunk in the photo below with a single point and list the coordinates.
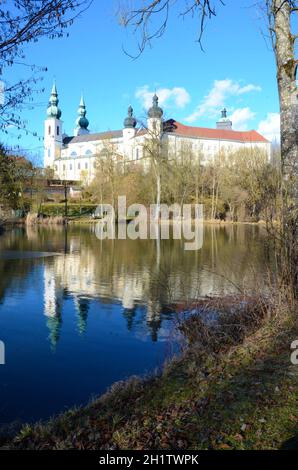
(158, 191)
(213, 196)
(287, 88)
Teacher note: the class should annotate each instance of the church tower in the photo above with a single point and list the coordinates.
(154, 121)
(129, 123)
(52, 131)
(129, 132)
(82, 122)
(224, 122)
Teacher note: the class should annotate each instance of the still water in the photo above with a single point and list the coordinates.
(78, 313)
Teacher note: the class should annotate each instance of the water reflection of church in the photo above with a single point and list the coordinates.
(148, 284)
(75, 276)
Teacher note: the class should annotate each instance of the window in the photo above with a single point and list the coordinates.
(137, 154)
(79, 166)
(73, 154)
(49, 152)
(49, 130)
(70, 166)
(86, 166)
(63, 167)
(57, 130)
(88, 152)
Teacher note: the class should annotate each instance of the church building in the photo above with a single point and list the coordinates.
(76, 157)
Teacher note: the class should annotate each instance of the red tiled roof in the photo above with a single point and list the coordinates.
(175, 127)
(203, 132)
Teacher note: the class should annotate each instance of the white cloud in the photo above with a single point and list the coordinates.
(248, 89)
(217, 96)
(240, 118)
(168, 97)
(270, 127)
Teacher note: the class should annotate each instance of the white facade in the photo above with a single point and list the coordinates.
(76, 158)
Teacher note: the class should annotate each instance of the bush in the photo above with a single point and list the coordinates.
(73, 210)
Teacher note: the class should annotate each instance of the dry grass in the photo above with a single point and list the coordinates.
(217, 324)
(34, 219)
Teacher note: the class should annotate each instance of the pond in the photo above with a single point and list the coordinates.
(78, 313)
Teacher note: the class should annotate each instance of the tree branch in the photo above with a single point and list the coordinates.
(141, 19)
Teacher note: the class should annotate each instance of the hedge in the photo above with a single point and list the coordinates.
(73, 210)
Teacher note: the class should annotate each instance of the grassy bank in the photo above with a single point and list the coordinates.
(233, 387)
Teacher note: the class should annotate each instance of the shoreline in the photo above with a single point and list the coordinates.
(84, 220)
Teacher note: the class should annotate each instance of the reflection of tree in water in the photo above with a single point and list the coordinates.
(130, 315)
(157, 298)
(14, 274)
(154, 318)
(82, 306)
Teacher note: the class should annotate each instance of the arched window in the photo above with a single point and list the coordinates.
(79, 166)
(49, 130)
(137, 154)
(88, 152)
(49, 152)
(70, 166)
(57, 130)
(86, 166)
(73, 154)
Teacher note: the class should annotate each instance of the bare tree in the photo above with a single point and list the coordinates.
(139, 17)
(23, 22)
(283, 39)
(155, 152)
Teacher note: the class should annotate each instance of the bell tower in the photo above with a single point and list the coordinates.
(82, 122)
(52, 131)
(154, 121)
(224, 122)
(129, 132)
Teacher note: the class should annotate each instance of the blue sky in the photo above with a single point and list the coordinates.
(237, 70)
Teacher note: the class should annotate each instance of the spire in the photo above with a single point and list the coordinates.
(54, 88)
(130, 122)
(82, 122)
(53, 110)
(82, 103)
(155, 111)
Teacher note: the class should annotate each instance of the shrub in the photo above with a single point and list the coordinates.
(73, 210)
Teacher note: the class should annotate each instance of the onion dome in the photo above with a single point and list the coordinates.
(53, 110)
(155, 111)
(130, 122)
(82, 122)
